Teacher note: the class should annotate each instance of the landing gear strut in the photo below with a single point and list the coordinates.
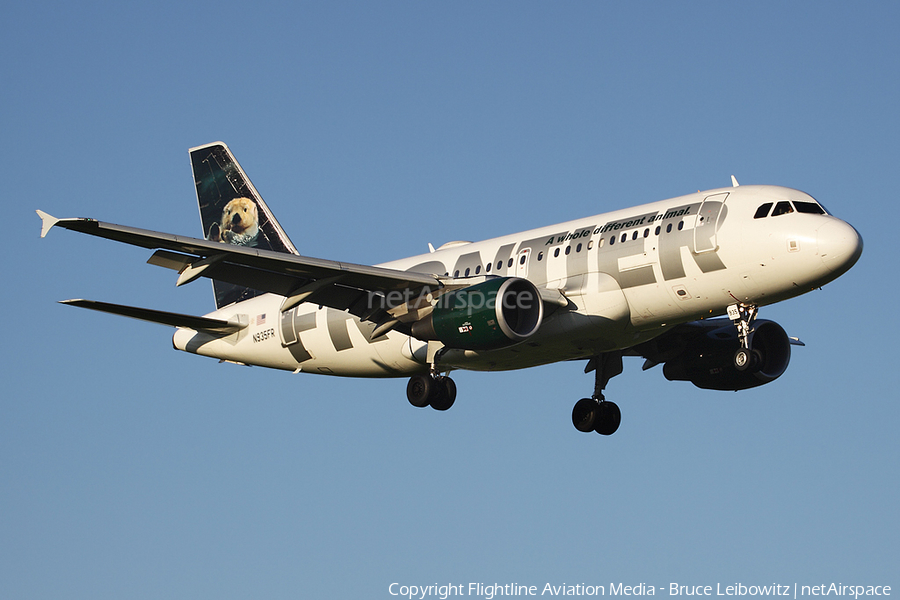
(743, 315)
(595, 413)
(433, 390)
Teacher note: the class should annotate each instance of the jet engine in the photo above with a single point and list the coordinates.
(494, 314)
(707, 358)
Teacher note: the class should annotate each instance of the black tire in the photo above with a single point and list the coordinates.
(419, 390)
(584, 414)
(748, 361)
(743, 359)
(609, 419)
(444, 393)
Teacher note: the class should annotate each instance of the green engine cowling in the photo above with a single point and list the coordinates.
(494, 314)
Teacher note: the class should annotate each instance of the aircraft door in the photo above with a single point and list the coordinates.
(522, 262)
(710, 214)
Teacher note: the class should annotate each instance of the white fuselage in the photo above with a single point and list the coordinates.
(629, 275)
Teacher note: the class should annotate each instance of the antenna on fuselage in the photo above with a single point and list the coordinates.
(734, 182)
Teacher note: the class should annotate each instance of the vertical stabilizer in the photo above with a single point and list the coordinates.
(233, 212)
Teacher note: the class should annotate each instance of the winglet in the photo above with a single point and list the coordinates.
(47, 221)
(734, 182)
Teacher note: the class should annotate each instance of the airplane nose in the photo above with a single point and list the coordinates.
(840, 245)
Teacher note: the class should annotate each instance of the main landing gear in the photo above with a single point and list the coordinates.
(589, 414)
(743, 315)
(437, 391)
(595, 413)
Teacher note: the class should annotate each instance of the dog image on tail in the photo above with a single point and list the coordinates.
(239, 224)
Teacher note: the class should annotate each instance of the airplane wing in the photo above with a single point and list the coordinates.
(387, 297)
(363, 290)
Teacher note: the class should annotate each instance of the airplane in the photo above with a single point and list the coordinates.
(678, 282)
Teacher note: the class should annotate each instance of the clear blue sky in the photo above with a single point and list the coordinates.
(129, 470)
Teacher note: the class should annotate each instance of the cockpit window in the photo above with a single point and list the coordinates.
(782, 208)
(763, 211)
(808, 207)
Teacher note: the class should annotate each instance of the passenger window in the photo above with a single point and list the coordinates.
(782, 208)
(522, 260)
(487, 268)
(590, 244)
(634, 235)
(540, 256)
(510, 263)
(568, 249)
(657, 230)
(578, 248)
(456, 274)
(467, 271)
(669, 228)
(478, 269)
(612, 240)
(763, 211)
(556, 253)
(646, 232)
(680, 225)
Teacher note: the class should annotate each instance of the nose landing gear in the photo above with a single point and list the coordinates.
(743, 315)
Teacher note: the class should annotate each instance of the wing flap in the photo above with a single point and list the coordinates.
(258, 279)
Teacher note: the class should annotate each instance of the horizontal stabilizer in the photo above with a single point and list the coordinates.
(162, 317)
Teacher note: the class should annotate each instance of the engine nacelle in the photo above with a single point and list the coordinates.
(708, 360)
(494, 314)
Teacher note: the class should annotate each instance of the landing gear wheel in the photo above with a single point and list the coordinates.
(594, 413)
(747, 360)
(584, 414)
(419, 390)
(609, 418)
(742, 359)
(443, 394)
